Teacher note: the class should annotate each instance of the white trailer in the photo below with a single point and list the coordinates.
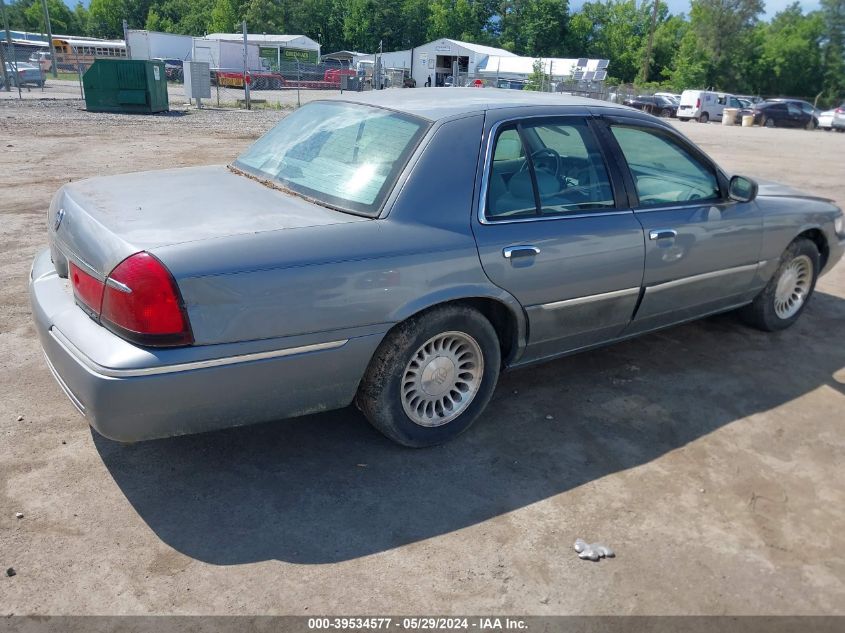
(224, 55)
(155, 45)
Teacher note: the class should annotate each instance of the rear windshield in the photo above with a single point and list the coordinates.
(344, 155)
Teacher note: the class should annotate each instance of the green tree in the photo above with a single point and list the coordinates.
(833, 50)
(105, 17)
(535, 27)
(186, 17)
(224, 17)
(80, 12)
(790, 62)
(459, 19)
(265, 16)
(721, 28)
(368, 22)
(690, 67)
(614, 30)
(538, 77)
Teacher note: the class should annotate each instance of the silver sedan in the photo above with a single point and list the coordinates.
(399, 251)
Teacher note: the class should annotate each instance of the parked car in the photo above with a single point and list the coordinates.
(838, 122)
(511, 84)
(342, 258)
(42, 59)
(23, 74)
(670, 95)
(782, 113)
(174, 69)
(826, 120)
(657, 105)
(704, 105)
(805, 106)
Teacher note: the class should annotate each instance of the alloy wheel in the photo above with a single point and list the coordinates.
(793, 287)
(442, 378)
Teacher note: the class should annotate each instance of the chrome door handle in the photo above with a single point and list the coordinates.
(523, 250)
(662, 234)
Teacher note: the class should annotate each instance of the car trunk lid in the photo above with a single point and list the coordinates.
(101, 221)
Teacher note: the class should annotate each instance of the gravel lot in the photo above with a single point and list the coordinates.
(709, 456)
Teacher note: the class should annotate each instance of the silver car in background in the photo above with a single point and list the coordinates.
(398, 250)
(838, 121)
(23, 74)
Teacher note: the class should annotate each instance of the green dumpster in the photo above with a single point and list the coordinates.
(125, 85)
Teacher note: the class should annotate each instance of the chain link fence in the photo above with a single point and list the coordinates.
(19, 74)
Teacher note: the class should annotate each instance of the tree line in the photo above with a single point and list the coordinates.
(725, 44)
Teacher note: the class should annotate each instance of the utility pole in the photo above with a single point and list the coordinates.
(50, 39)
(647, 59)
(125, 39)
(246, 69)
(11, 50)
(6, 86)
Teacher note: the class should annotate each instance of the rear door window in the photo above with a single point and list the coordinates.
(664, 172)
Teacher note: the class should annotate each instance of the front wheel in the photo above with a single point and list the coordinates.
(784, 298)
(431, 377)
(768, 122)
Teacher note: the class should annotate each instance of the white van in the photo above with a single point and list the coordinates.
(704, 106)
(42, 58)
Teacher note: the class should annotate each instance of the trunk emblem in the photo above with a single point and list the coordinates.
(60, 215)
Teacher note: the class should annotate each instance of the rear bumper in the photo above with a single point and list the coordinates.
(129, 394)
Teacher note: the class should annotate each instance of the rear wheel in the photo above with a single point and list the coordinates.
(784, 298)
(704, 118)
(665, 113)
(431, 377)
(767, 122)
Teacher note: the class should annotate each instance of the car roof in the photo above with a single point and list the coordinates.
(441, 103)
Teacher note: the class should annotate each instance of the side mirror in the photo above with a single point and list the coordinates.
(742, 189)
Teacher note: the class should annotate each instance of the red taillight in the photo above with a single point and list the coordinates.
(141, 303)
(698, 103)
(87, 288)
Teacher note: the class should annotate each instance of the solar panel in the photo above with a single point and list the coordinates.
(588, 76)
(578, 75)
(600, 75)
(582, 62)
(603, 63)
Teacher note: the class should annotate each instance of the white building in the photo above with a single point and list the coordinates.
(513, 67)
(276, 50)
(438, 59)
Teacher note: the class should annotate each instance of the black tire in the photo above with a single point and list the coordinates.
(767, 122)
(380, 395)
(761, 313)
(665, 113)
(704, 118)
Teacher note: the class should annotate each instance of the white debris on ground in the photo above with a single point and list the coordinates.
(594, 551)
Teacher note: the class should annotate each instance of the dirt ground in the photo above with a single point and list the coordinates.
(709, 456)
